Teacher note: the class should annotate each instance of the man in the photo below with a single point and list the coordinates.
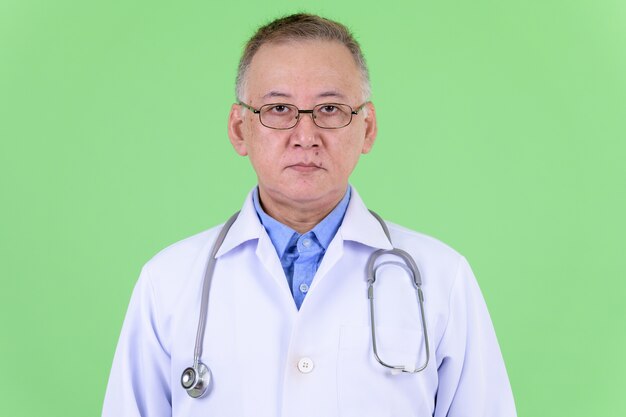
(288, 330)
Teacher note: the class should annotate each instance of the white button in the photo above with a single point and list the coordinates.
(305, 365)
(306, 243)
(304, 288)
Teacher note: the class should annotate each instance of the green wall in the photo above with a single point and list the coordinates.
(502, 129)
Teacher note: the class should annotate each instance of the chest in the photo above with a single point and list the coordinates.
(269, 358)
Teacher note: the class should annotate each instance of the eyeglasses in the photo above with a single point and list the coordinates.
(283, 116)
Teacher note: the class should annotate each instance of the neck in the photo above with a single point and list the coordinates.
(300, 216)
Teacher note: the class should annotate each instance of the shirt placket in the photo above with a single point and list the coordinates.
(305, 266)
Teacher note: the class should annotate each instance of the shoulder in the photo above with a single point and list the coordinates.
(421, 243)
(439, 264)
(171, 267)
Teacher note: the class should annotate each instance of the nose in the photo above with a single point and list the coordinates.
(306, 133)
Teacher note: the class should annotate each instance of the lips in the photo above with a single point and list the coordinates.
(305, 166)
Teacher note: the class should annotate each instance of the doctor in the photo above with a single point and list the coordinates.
(288, 330)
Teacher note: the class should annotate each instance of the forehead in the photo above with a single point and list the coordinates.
(303, 70)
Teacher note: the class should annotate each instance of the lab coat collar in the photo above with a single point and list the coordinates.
(246, 227)
(358, 226)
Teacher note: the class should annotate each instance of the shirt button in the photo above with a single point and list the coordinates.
(305, 365)
(304, 288)
(306, 243)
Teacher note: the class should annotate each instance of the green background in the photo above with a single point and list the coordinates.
(501, 132)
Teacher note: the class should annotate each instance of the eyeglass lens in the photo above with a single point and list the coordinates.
(285, 116)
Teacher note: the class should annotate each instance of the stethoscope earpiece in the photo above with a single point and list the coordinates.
(196, 379)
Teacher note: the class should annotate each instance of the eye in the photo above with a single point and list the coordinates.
(328, 109)
(279, 109)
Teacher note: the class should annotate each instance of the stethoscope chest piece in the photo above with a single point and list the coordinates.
(196, 379)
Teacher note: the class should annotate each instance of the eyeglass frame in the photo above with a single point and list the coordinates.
(353, 112)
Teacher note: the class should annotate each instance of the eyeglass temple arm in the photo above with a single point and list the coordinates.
(252, 109)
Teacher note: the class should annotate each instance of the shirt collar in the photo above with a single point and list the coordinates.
(282, 235)
(358, 225)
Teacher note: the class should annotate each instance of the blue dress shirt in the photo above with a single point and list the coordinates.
(301, 255)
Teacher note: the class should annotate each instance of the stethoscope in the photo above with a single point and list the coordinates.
(197, 378)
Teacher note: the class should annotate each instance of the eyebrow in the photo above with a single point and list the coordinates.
(276, 94)
(331, 94)
(324, 94)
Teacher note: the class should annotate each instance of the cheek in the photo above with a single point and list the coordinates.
(347, 158)
(263, 156)
(253, 140)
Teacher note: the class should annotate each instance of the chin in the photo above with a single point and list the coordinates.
(310, 194)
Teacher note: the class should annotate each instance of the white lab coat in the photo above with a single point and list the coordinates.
(255, 336)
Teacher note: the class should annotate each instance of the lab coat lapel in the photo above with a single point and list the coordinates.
(359, 226)
(248, 227)
(266, 253)
(332, 255)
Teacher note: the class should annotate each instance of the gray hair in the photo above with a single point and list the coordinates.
(300, 27)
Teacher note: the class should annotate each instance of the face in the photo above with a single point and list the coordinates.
(305, 166)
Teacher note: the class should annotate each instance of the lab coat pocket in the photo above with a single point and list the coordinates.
(367, 388)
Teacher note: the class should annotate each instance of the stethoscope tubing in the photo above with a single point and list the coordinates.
(412, 270)
(197, 378)
(206, 286)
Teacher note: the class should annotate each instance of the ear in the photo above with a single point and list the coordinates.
(371, 128)
(235, 130)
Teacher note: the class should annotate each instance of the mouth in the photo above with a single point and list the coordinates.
(305, 166)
